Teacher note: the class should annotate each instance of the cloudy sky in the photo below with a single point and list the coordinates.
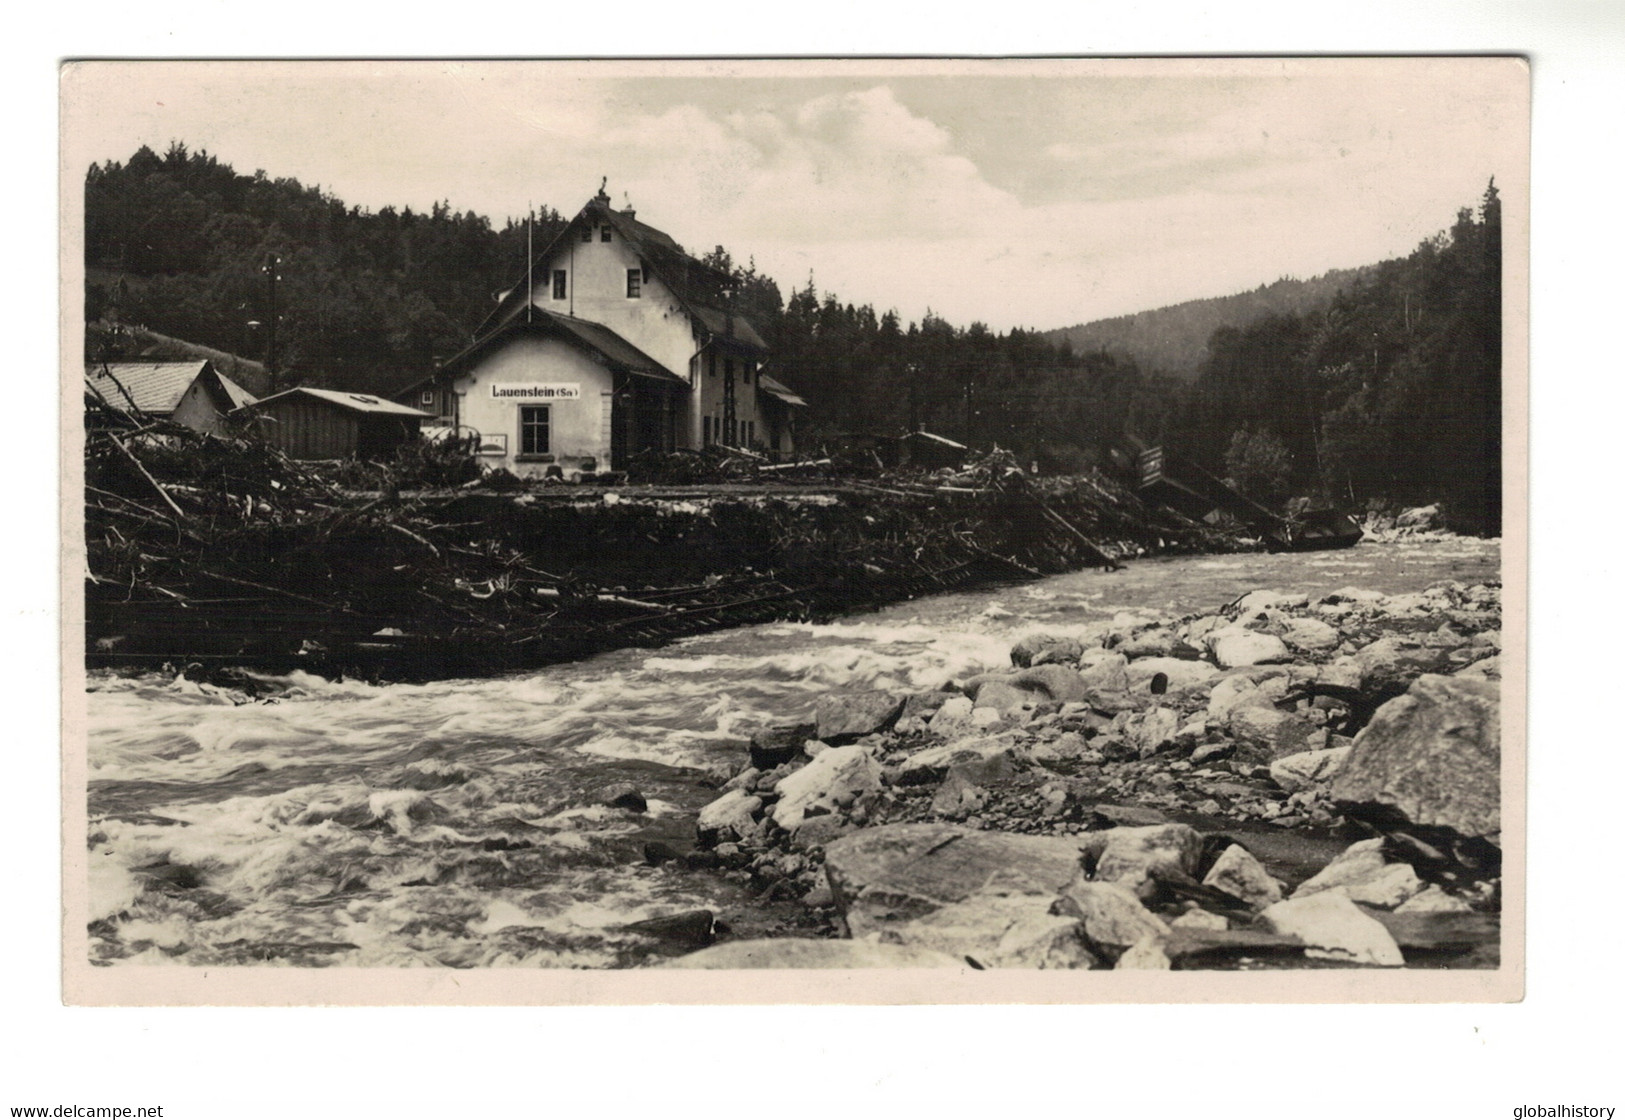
(1018, 194)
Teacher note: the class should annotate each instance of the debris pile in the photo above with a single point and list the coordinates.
(1281, 783)
(224, 552)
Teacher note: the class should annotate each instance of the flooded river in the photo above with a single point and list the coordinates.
(454, 823)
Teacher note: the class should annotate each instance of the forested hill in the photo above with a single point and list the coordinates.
(1173, 340)
(367, 300)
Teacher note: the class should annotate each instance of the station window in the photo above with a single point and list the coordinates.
(604, 234)
(586, 234)
(705, 430)
(560, 283)
(634, 283)
(427, 397)
(535, 429)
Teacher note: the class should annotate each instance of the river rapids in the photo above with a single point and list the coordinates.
(454, 824)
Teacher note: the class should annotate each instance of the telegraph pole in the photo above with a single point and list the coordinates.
(272, 270)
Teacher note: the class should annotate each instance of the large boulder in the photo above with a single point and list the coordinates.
(999, 931)
(1040, 649)
(1113, 917)
(1356, 863)
(1106, 673)
(1158, 641)
(730, 817)
(1057, 683)
(1148, 732)
(1266, 599)
(806, 952)
(1238, 873)
(1334, 929)
(1235, 647)
(1393, 662)
(883, 877)
(1006, 698)
(1242, 690)
(1269, 733)
(847, 715)
(774, 746)
(953, 718)
(1137, 858)
(837, 779)
(1431, 758)
(933, 763)
(1311, 634)
(1177, 673)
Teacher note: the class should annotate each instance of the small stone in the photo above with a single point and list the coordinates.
(802, 953)
(957, 798)
(1146, 955)
(1434, 900)
(622, 795)
(984, 718)
(1200, 919)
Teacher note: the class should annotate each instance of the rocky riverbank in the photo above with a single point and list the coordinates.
(1282, 783)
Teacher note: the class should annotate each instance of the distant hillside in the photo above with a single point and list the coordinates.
(1173, 340)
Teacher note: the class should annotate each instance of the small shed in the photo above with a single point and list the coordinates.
(779, 406)
(310, 423)
(192, 393)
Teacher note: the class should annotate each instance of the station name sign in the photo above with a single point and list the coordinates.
(554, 391)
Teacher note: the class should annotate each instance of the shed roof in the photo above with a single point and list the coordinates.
(932, 437)
(596, 339)
(235, 393)
(354, 402)
(155, 387)
(780, 390)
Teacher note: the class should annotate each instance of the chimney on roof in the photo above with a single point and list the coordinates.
(627, 209)
(603, 191)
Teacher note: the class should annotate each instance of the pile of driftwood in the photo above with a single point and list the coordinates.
(224, 552)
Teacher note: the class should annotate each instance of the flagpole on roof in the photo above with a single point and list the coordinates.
(530, 265)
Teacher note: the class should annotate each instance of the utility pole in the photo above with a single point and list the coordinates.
(273, 273)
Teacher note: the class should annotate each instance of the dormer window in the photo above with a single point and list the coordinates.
(634, 283)
(603, 234)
